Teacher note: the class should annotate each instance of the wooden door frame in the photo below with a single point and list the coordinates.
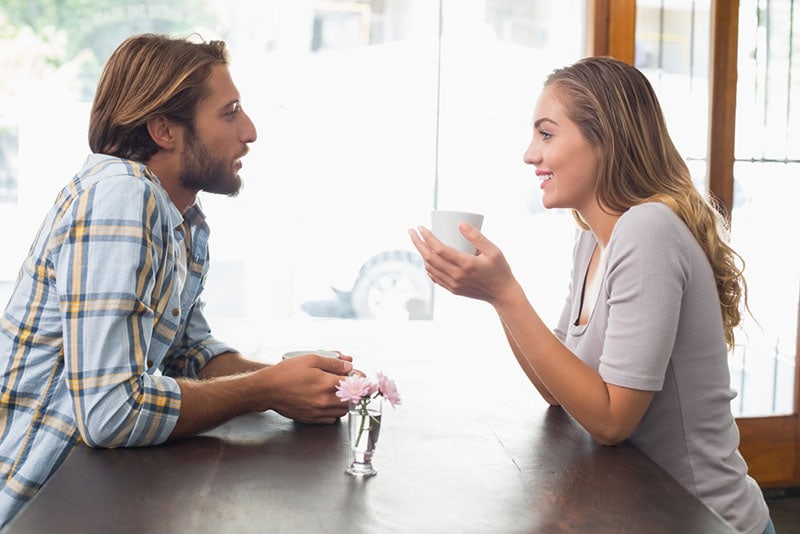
(770, 445)
(611, 29)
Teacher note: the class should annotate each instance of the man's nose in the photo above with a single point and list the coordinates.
(249, 133)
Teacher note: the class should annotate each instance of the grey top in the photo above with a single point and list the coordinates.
(657, 326)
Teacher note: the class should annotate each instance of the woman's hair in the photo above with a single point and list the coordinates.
(617, 111)
(149, 76)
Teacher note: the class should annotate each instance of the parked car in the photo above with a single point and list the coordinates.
(392, 284)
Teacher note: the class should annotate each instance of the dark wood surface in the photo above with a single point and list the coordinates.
(468, 451)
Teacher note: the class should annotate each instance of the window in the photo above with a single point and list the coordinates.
(672, 49)
(369, 114)
(766, 172)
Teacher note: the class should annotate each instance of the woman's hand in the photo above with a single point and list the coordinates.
(485, 276)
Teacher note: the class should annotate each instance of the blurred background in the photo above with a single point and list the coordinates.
(371, 113)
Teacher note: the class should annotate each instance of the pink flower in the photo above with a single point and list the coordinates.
(388, 389)
(354, 388)
(357, 388)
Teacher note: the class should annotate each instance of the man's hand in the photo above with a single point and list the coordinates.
(304, 388)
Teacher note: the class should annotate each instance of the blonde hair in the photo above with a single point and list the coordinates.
(149, 76)
(617, 111)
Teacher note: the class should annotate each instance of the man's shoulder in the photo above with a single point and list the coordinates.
(110, 187)
(109, 178)
(101, 168)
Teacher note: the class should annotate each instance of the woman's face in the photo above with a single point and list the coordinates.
(565, 162)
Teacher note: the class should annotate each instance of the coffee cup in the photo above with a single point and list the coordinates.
(444, 225)
(326, 353)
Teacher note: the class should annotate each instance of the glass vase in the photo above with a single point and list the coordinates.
(364, 424)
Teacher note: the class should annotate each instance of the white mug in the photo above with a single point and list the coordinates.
(444, 225)
(326, 353)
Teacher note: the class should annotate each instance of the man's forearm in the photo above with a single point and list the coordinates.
(302, 388)
(210, 402)
(229, 363)
(223, 391)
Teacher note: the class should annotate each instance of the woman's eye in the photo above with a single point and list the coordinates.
(545, 135)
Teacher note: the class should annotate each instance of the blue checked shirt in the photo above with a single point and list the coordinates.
(97, 325)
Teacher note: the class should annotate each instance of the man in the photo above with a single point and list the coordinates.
(103, 342)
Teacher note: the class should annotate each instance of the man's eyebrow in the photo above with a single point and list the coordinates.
(234, 102)
(544, 119)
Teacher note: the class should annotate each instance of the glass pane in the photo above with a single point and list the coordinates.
(344, 97)
(768, 113)
(764, 362)
(672, 48)
(766, 188)
(495, 56)
(366, 121)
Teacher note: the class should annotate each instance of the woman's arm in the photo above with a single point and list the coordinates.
(528, 370)
(610, 413)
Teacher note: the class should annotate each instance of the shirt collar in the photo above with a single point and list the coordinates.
(194, 215)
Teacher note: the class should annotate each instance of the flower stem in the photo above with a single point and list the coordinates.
(363, 421)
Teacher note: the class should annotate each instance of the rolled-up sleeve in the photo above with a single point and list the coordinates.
(196, 349)
(108, 260)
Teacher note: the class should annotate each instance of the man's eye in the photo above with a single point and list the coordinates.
(234, 109)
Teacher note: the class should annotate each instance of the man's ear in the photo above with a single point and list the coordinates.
(163, 132)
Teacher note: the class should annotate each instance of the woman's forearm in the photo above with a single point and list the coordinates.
(528, 369)
(609, 413)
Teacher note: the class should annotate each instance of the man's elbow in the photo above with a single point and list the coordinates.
(102, 428)
(99, 436)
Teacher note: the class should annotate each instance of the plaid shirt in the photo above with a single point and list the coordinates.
(97, 327)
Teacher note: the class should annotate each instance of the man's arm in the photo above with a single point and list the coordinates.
(301, 388)
(229, 363)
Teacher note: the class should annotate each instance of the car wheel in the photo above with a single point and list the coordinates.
(393, 285)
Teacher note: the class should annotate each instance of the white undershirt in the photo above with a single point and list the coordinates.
(181, 265)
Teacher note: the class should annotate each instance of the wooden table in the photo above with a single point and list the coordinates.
(470, 450)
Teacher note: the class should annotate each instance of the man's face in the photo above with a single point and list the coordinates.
(211, 157)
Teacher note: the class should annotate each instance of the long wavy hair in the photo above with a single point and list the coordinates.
(148, 76)
(617, 111)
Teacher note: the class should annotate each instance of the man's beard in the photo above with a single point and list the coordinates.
(201, 170)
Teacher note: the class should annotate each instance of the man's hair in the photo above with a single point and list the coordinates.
(149, 76)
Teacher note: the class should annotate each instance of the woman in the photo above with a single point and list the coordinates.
(640, 350)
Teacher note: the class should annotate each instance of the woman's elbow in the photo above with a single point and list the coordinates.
(610, 436)
(608, 441)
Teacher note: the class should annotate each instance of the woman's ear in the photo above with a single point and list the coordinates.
(163, 132)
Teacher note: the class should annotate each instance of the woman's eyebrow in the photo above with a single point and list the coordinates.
(544, 119)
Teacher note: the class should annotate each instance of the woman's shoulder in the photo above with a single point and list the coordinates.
(650, 218)
(651, 213)
(650, 229)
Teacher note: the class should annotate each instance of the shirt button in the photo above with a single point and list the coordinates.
(175, 312)
(149, 363)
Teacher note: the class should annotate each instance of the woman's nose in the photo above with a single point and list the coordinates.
(531, 155)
